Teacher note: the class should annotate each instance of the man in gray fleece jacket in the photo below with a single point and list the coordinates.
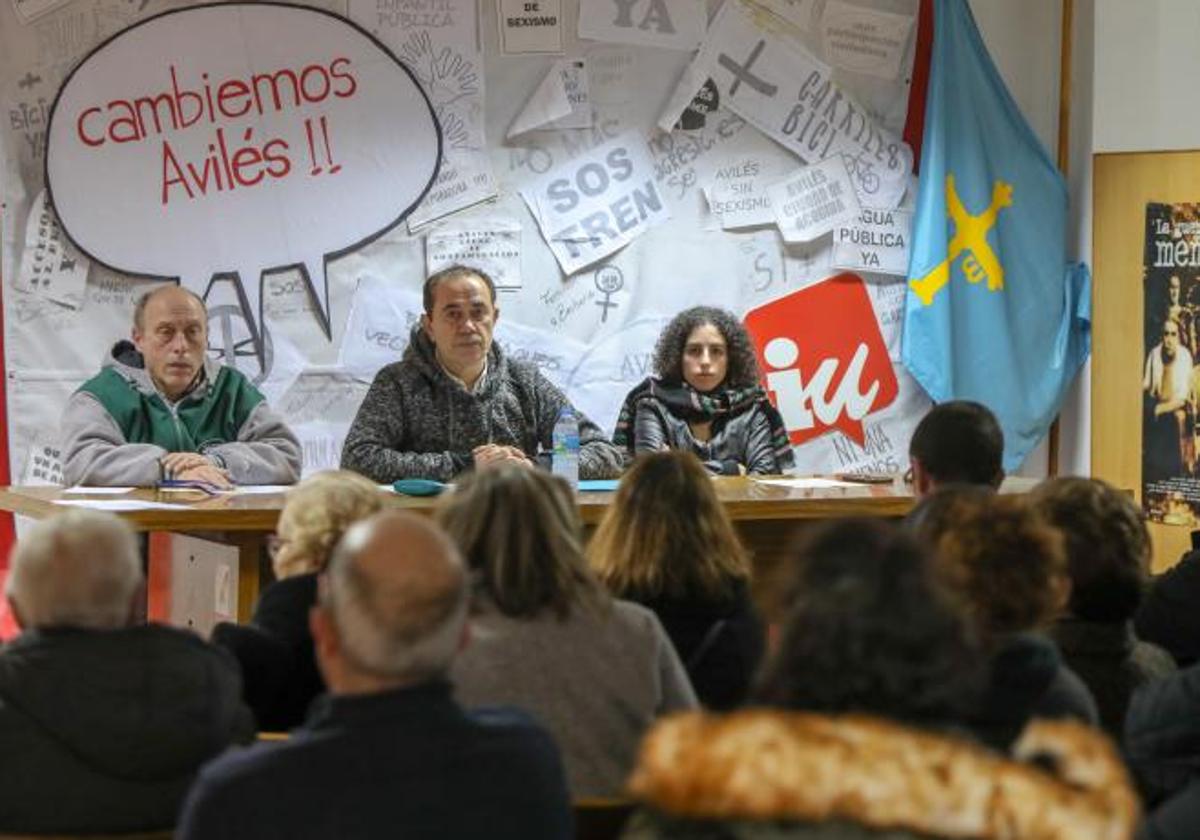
(455, 401)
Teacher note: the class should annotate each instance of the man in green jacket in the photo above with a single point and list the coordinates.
(161, 409)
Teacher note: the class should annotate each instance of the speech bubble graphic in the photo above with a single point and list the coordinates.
(236, 139)
(824, 360)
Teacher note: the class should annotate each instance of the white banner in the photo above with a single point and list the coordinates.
(865, 40)
(202, 142)
(530, 26)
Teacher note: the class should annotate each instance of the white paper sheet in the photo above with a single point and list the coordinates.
(530, 26)
(118, 505)
(31, 10)
(490, 244)
(877, 241)
(814, 200)
(261, 489)
(808, 483)
(664, 24)
(865, 40)
(595, 204)
(98, 491)
(51, 267)
(561, 100)
(738, 194)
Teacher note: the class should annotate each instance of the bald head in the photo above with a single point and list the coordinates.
(167, 295)
(396, 595)
(77, 569)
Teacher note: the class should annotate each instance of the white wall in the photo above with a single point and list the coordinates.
(1146, 67)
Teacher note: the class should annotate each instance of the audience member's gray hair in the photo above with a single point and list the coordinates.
(406, 628)
(80, 568)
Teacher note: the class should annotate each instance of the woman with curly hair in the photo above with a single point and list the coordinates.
(667, 543)
(279, 672)
(706, 399)
(1009, 566)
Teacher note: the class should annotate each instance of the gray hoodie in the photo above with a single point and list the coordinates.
(96, 451)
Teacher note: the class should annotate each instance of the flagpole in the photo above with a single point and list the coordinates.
(1064, 158)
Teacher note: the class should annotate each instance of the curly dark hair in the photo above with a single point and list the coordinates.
(871, 629)
(999, 554)
(1108, 546)
(668, 353)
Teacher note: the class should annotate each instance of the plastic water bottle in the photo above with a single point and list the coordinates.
(564, 440)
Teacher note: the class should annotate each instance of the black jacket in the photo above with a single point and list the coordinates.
(1162, 734)
(1168, 616)
(741, 439)
(103, 731)
(1027, 679)
(405, 763)
(275, 650)
(720, 642)
(1112, 663)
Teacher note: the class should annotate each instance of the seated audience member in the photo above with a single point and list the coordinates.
(871, 628)
(275, 649)
(1168, 616)
(957, 442)
(667, 543)
(706, 399)
(390, 754)
(875, 671)
(547, 638)
(160, 408)
(1010, 568)
(456, 401)
(103, 723)
(1162, 745)
(1108, 556)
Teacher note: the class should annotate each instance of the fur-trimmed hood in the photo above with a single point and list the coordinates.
(760, 765)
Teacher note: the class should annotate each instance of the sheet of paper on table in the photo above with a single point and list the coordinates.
(808, 482)
(117, 505)
(261, 489)
(98, 491)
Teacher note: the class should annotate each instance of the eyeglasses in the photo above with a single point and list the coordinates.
(275, 544)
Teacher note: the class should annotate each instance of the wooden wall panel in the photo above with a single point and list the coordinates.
(1122, 185)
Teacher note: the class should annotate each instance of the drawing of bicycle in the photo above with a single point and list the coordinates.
(863, 173)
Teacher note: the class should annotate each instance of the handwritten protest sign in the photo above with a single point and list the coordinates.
(813, 201)
(666, 24)
(876, 241)
(441, 47)
(50, 265)
(595, 204)
(787, 93)
(738, 195)
(492, 245)
(201, 142)
(865, 40)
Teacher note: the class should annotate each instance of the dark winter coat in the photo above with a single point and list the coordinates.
(417, 422)
(102, 731)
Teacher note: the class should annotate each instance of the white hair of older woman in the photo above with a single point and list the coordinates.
(80, 568)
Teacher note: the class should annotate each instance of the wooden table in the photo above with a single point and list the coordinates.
(767, 516)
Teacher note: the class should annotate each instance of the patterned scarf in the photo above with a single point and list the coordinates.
(685, 402)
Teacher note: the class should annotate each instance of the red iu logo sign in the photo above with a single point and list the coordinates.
(824, 359)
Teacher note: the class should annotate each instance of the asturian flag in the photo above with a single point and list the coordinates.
(994, 312)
